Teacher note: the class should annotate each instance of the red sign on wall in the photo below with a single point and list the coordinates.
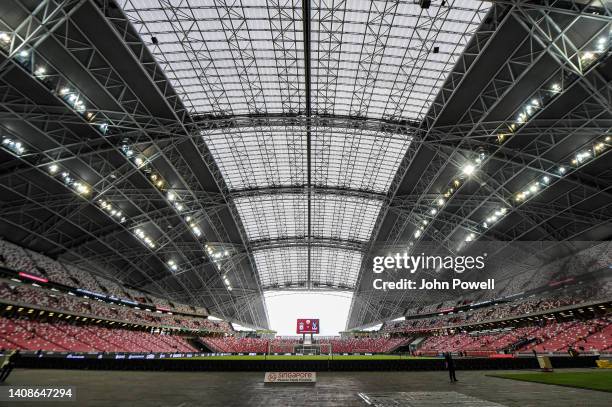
(307, 326)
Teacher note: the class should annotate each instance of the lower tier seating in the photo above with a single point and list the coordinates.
(62, 336)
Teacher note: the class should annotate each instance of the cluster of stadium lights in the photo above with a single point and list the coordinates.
(144, 237)
(180, 207)
(227, 283)
(51, 80)
(137, 159)
(80, 187)
(84, 189)
(580, 158)
(15, 146)
(494, 217)
(195, 229)
(468, 169)
(158, 181)
(112, 211)
(533, 188)
(175, 200)
(173, 265)
(588, 57)
(545, 95)
(217, 256)
(172, 196)
(141, 162)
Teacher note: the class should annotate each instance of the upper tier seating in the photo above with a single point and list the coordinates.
(19, 259)
(593, 335)
(524, 306)
(41, 298)
(16, 258)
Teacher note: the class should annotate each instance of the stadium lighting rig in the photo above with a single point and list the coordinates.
(65, 90)
(227, 282)
(195, 229)
(54, 81)
(541, 98)
(84, 189)
(579, 159)
(468, 169)
(112, 211)
(158, 181)
(528, 111)
(218, 255)
(146, 239)
(81, 188)
(532, 189)
(5, 38)
(546, 94)
(173, 266)
(15, 146)
(61, 86)
(176, 201)
(494, 217)
(138, 159)
(71, 181)
(172, 197)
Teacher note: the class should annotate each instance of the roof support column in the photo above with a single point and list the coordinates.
(306, 29)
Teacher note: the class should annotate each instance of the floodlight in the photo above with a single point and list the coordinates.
(468, 169)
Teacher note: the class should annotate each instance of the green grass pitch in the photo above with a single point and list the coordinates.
(595, 380)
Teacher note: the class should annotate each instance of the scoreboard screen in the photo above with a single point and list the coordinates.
(307, 326)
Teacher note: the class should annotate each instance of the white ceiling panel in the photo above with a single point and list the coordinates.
(257, 157)
(281, 216)
(256, 49)
(287, 267)
(260, 157)
(369, 55)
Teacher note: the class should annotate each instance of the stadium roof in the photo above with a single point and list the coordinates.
(211, 150)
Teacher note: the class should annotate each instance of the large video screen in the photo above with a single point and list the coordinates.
(307, 326)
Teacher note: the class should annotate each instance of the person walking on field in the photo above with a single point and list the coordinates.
(450, 365)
